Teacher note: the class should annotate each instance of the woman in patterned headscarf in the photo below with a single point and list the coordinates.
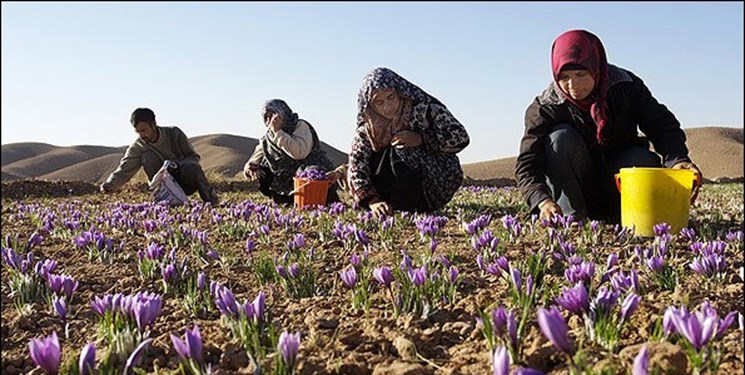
(583, 128)
(289, 145)
(403, 152)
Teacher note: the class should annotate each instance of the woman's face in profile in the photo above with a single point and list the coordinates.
(386, 102)
(578, 84)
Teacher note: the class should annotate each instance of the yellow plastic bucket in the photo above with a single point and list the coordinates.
(650, 196)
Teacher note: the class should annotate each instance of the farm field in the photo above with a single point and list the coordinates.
(333, 290)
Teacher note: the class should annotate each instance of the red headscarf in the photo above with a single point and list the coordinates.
(580, 47)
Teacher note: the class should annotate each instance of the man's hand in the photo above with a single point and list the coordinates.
(251, 171)
(106, 187)
(549, 208)
(406, 138)
(380, 208)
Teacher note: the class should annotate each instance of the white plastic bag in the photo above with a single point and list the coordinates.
(165, 187)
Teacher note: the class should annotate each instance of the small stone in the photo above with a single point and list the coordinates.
(405, 348)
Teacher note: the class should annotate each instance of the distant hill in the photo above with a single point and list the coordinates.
(222, 154)
(717, 150)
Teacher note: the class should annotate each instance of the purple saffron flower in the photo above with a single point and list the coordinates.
(355, 259)
(444, 261)
(212, 254)
(250, 246)
(725, 323)
(349, 277)
(226, 303)
(201, 280)
(60, 306)
(169, 274)
(418, 276)
(582, 272)
(289, 345)
(260, 305)
(87, 362)
(697, 328)
(661, 228)
(574, 299)
(517, 281)
(46, 353)
(383, 275)
(294, 270)
(136, 357)
(155, 251)
(503, 263)
(34, 240)
(688, 233)
(281, 271)
(453, 273)
(191, 346)
(641, 362)
(655, 263)
(605, 300)
(554, 327)
(501, 361)
(527, 371)
(480, 261)
(629, 305)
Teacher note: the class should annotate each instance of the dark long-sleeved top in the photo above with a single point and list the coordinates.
(442, 137)
(631, 107)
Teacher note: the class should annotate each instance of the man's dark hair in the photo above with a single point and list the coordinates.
(142, 115)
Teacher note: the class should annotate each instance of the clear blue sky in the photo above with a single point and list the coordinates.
(73, 72)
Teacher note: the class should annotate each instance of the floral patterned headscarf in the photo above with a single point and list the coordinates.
(379, 129)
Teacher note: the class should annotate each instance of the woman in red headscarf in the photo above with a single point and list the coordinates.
(583, 128)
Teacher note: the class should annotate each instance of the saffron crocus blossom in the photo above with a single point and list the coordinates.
(688, 233)
(418, 276)
(554, 327)
(697, 328)
(225, 302)
(384, 276)
(349, 276)
(453, 273)
(87, 362)
(46, 353)
(294, 270)
(574, 299)
(582, 272)
(641, 362)
(136, 357)
(629, 305)
(661, 228)
(250, 246)
(504, 321)
(60, 306)
(289, 345)
(190, 346)
(201, 280)
(259, 305)
(501, 361)
(155, 251)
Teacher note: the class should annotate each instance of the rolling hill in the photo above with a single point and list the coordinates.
(717, 150)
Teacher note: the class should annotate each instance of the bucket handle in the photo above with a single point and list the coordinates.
(300, 187)
(696, 185)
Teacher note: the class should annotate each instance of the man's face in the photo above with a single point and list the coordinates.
(147, 132)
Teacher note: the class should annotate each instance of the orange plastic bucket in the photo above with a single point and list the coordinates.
(651, 196)
(310, 192)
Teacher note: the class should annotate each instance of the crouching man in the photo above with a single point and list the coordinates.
(152, 148)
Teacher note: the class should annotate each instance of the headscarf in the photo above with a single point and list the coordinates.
(582, 48)
(380, 130)
(289, 118)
